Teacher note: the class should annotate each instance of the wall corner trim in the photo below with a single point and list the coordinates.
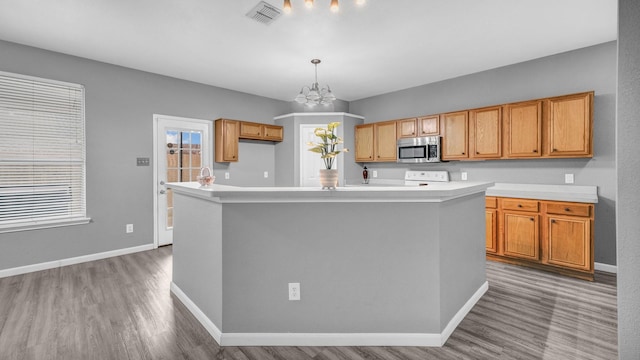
(71, 261)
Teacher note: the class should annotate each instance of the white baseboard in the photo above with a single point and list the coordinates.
(329, 339)
(199, 315)
(71, 261)
(606, 268)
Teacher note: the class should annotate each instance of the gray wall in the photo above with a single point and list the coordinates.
(628, 133)
(592, 68)
(120, 104)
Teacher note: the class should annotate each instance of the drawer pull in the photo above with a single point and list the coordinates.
(462, 153)
(567, 209)
(519, 205)
(535, 151)
(531, 219)
(553, 221)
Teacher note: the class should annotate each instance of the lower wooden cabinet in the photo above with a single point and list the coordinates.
(549, 235)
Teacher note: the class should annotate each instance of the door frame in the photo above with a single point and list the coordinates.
(156, 118)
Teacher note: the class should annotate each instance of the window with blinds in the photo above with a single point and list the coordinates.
(42, 153)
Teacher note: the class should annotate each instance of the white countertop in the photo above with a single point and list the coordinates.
(434, 192)
(571, 193)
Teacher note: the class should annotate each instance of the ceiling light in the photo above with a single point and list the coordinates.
(314, 95)
(309, 3)
(334, 6)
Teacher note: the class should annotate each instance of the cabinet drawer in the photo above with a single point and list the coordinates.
(520, 205)
(490, 202)
(569, 209)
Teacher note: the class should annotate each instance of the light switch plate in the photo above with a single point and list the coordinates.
(142, 161)
(226, 176)
(463, 175)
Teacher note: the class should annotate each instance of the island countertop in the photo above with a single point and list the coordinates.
(434, 192)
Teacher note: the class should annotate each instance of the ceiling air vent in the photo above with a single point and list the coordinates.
(264, 13)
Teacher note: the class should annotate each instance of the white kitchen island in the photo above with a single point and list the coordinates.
(376, 265)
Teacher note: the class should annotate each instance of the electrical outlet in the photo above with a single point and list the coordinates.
(294, 291)
(568, 178)
(463, 175)
(375, 173)
(266, 174)
(226, 175)
(129, 228)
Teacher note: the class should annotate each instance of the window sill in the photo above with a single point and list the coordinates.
(43, 225)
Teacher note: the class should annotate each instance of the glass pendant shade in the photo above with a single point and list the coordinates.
(334, 6)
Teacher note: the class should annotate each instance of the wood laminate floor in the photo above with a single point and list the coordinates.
(121, 308)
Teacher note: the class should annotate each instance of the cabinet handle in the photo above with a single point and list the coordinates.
(553, 221)
(462, 153)
(531, 219)
(535, 151)
(567, 209)
(554, 150)
(519, 205)
(412, 133)
(477, 153)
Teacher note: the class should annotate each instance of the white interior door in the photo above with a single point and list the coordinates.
(182, 148)
(310, 162)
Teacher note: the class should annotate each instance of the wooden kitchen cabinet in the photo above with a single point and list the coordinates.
(567, 235)
(227, 136)
(523, 129)
(229, 132)
(548, 235)
(376, 142)
(569, 123)
(429, 125)
(407, 128)
(273, 132)
(455, 135)
(364, 143)
(491, 226)
(485, 133)
(385, 141)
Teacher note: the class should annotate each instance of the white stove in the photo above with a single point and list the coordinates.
(423, 178)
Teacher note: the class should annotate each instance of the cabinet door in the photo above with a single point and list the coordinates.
(273, 132)
(429, 125)
(521, 235)
(227, 135)
(523, 129)
(569, 121)
(485, 133)
(455, 127)
(568, 242)
(385, 141)
(249, 130)
(364, 143)
(406, 128)
(491, 230)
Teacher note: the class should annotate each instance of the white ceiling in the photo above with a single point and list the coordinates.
(383, 46)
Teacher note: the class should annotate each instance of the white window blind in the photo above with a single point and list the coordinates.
(42, 153)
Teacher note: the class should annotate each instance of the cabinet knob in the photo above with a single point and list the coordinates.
(554, 150)
(531, 219)
(567, 209)
(519, 205)
(413, 132)
(477, 152)
(553, 221)
(535, 150)
(463, 153)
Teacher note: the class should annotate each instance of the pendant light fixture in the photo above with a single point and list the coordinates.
(314, 95)
(309, 3)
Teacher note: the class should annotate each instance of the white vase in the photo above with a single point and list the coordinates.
(328, 178)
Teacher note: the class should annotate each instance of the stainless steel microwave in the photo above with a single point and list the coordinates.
(419, 150)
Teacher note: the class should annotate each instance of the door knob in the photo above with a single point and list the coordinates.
(162, 182)
(163, 192)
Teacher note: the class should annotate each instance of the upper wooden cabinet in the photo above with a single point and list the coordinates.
(257, 131)
(485, 133)
(364, 143)
(227, 135)
(523, 129)
(429, 125)
(229, 132)
(376, 142)
(455, 135)
(569, 122)
(385, 143)
(407, 128)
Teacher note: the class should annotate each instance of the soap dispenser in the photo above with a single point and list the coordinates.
(365, 175)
